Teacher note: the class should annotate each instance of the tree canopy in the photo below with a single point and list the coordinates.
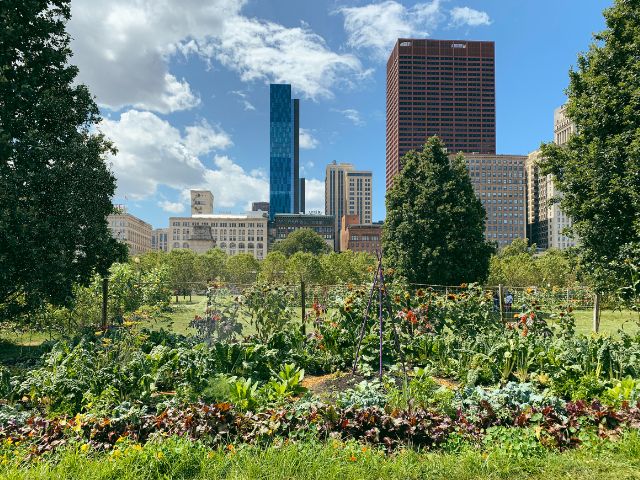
(434, 231)
(55, 187)
(598, 170)
(303, 240)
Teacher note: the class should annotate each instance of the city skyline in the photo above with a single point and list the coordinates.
(204, 124)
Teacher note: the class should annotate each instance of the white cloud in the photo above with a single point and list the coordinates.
(352, 115)
(268, 52)
(232, 186)
(248, 106)
(314, 195)
(203, 138)
(307, 140)
(171, 207)
(151, 152)
(469, 16)
(123, 48)
(376, 27)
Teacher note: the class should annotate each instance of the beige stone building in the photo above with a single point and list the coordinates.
(131, 230)
(201, 202)
(546, 222)
(159, 239)
(499, 182)
(232, 233)
(347, 192)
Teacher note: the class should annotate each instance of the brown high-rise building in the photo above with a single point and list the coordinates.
(444, 88)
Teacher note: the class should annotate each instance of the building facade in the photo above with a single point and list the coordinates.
(131, 230)
(546, 222)
(159, 239)
(233, 234)
(286, 223)
(201, 202)
(284, 161)
(499, 182)
(444, 88)
(359, 237)
(260, 206)
(347, 192)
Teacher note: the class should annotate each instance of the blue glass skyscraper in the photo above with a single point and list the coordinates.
(284, 151)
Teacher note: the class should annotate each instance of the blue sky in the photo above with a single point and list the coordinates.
(184, 84)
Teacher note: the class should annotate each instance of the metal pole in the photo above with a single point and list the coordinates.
(364, 320)
(380, 315)
(501, 301)
(105, 294)
(596, 313)
(304, 314)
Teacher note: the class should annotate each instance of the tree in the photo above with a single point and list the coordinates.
(434, 232)
(514, 265)
(302, 240)
(242, 268)
(272, 268)
(212, 264)
(183, 271)
(598, 170)
(306, 267)
(55, 188)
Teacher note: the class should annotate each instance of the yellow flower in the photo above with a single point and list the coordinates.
(84, 447)
(98, 333)
(137, 447)
(210, 455)
(116, 453)
(159, 455)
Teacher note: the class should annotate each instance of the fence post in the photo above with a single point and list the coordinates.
(501, 301)
(304, 312)
(105, 294)
(596, 312)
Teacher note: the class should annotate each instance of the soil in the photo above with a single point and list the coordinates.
(331, 384)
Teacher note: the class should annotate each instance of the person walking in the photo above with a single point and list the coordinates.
(508, 301)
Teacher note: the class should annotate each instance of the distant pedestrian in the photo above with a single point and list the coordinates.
(508, 301)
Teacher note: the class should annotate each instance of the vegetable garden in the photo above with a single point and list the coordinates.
(472, 382)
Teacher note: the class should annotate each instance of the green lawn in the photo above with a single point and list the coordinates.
(610, 321)
(172, 458)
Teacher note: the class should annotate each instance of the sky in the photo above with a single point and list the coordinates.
(183, 85)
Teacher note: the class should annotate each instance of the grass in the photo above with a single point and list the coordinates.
(178, 458)
(610, 321)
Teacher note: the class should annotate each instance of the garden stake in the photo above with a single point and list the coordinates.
(364, 322)
(383, 297)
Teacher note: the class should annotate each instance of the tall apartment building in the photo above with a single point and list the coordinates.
(284, 157)
(159, 239)
(499, 182)
(131, 230)
(201, 202)
(546, 221)
(347, 192)
(444, 88)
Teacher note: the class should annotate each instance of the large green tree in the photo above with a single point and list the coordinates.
(55, 187)
(302, 240)
(599, 170)
(434, 231)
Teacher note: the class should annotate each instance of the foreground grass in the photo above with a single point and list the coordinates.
(177, 458)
